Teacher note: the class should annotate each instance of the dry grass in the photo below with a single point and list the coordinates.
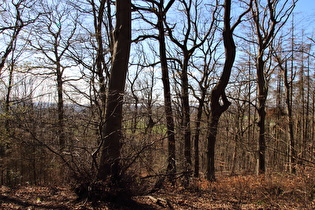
(272, 191)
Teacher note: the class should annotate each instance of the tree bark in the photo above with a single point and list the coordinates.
(197, 133)
(112, 134)
(100, 62)
(186, 118)
(262, 96)
(218, 92)
(60, 105)
(171, 167)
(262, 16)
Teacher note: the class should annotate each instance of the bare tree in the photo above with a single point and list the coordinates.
(52, 38)
(188, 41)
(219, 101)
(160, 9)
(14, 16)
(93, 52)
(283, 58)
(268, 18)
(103, 25)
(209, 61)
(112, 134)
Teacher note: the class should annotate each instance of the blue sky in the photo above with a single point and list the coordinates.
(307, 6)
(304, 18)
(305, 13)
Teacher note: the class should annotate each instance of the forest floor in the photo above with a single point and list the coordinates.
(235, 192)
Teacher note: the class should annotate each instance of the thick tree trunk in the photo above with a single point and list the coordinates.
(218, 92)
(112, 134)
(212, 135)
(262, 96)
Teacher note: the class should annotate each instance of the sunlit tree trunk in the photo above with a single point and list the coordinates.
(112, 134)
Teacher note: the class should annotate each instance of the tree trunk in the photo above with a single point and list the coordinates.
(8, 100)
(212, 135)
(218, 95)
(197, 134)
(290, 118)
(112, 134)
(100, 62)
(171, 167)
(60, 106)
(262, 96)
(186, 120)
(263, 15)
